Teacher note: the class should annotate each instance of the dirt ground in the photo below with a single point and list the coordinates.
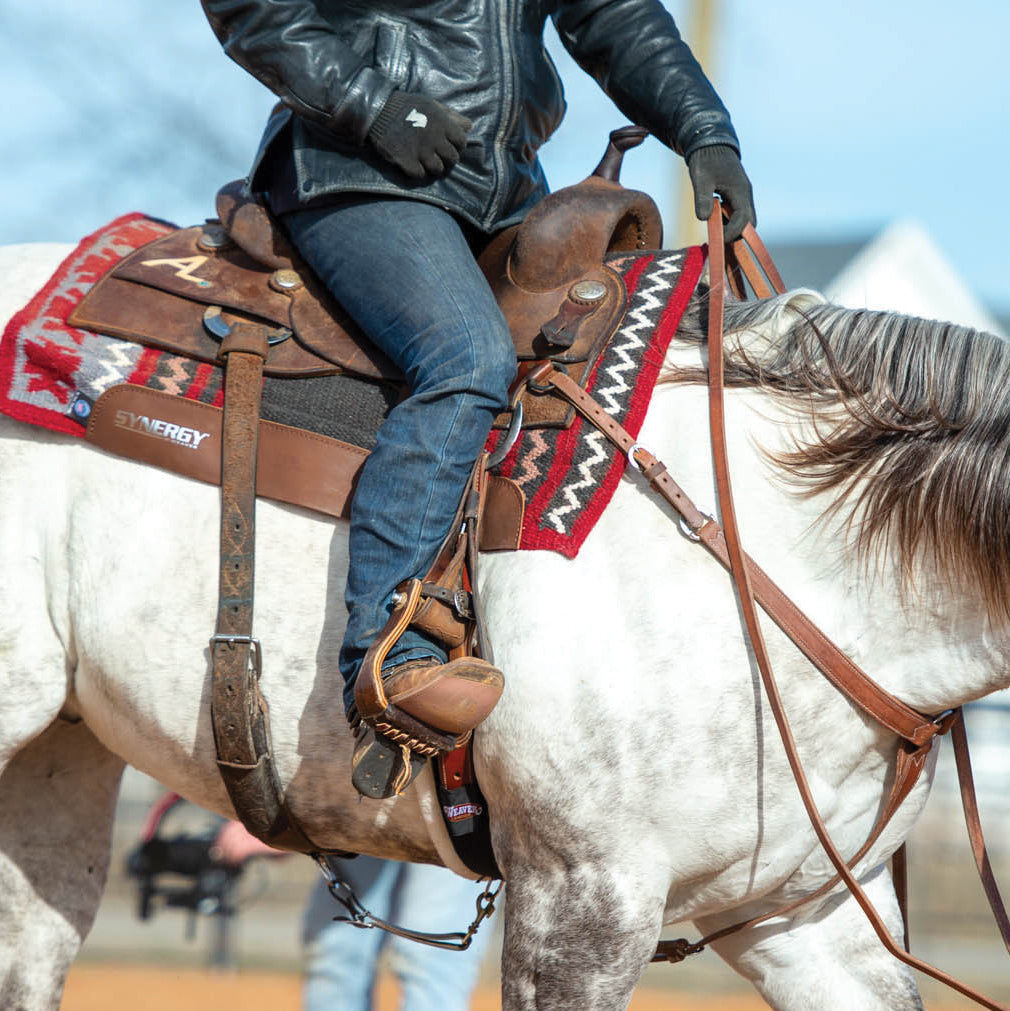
(111, 988)
(141, 988)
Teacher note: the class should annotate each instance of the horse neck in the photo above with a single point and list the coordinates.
(929, 646)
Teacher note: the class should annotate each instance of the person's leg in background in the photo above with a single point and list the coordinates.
(437, 901)
(340, 959)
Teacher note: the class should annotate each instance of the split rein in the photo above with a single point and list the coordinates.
(916, 731)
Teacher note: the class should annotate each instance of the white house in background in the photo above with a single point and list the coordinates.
(899, 268)
(903, 270)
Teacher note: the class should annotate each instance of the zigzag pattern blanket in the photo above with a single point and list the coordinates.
(569, 476)
(51, 373)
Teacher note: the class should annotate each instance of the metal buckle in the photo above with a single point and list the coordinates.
(534, 386)
(255, 650)
(690, 534)
(632, 449)
(509, 439)
(677, 950)
(218, 328)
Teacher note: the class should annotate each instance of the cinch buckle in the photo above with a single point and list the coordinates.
(231, 640)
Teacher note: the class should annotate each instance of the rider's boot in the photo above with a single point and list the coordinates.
(452, 698)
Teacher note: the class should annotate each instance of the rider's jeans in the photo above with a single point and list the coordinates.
(341, 961)
(405, 273)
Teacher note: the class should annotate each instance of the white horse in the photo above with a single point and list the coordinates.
(633, 772)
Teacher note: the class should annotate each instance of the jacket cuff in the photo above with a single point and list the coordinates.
(363, 101)
(705, 129)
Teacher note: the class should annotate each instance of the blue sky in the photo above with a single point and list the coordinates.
(849, 116)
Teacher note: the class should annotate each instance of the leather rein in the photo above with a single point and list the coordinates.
(915, 730)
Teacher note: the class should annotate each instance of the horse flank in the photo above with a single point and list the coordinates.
(907, 422)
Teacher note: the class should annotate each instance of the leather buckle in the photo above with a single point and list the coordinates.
(230, 640)
(632, 459)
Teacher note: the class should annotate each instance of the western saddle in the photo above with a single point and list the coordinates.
(234, 291)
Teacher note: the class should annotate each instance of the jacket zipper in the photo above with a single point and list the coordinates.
(505, 8)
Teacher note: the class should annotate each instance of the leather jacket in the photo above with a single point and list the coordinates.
(333, 64)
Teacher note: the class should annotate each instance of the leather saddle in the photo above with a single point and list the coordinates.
(549, 275)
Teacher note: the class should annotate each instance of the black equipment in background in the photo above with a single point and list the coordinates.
(179, 872)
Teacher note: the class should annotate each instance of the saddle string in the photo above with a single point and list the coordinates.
(917, 730)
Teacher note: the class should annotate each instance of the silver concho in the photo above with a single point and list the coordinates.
(587, 291)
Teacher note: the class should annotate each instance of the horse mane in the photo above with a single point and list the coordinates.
(908, 424)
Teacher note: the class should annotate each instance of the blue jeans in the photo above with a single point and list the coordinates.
(404, 271)
(341, 960)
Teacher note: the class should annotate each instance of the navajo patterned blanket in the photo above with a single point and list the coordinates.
(51, 374)
(569, 476)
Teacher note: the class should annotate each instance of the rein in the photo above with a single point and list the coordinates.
(916, 730)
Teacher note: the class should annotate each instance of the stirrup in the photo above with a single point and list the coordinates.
(445, 607)
(381, 768)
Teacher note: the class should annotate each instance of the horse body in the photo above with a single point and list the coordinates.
(632, 768)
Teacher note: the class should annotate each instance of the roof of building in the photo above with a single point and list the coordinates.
(900, 268)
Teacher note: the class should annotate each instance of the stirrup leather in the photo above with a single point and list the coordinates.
(445, 607)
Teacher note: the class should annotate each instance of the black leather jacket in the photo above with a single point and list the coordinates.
(333, 64)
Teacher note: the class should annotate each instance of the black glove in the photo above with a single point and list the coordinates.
(420, 136)
(717, 169)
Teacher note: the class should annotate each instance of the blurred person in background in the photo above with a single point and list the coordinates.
(342, 962)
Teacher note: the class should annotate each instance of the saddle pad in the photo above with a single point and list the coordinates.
(569, 475)
(52, 373)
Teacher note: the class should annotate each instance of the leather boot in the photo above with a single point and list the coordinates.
(454, 697)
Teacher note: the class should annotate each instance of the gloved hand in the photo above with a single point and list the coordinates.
(717, 169)
(420, 136)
